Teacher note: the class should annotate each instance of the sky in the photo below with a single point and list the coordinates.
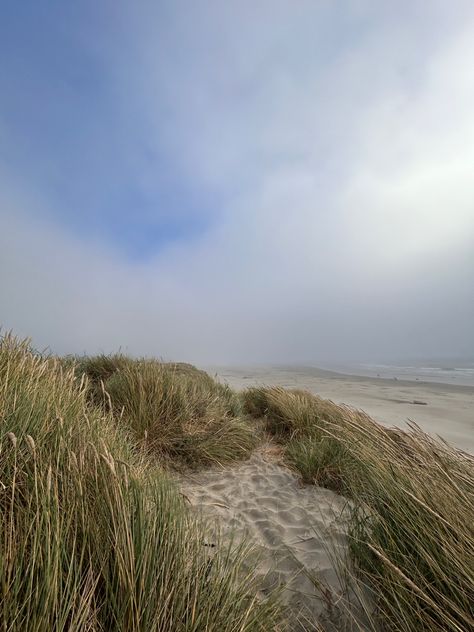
(238, 182)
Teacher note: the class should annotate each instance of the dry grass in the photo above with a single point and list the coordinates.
(290, 413)
(92, 538)
(412, 529)
(412, 525)
(173, 411)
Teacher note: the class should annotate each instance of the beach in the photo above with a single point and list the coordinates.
(446, 410)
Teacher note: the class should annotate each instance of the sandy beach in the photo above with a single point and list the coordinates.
(446, 410)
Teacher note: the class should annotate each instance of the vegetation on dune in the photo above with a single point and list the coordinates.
(92, 537)
(322, 461)
(290, 413)
(412, 528)
(299, 420)
(172, 410)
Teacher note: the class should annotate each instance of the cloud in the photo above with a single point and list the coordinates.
(339, 145)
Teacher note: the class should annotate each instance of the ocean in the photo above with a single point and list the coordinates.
(444, 373)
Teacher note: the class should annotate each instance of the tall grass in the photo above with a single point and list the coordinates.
(290, 413)
(174, 411)
(412, 528)
(412, 524)
(92, 538)
(323, 461)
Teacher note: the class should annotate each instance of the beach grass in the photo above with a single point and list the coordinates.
(323, 461)
(93, 536)
(96, 537)
(172, 410)
(289, 414)
(411, 531)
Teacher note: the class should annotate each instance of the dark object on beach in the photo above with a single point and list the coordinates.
(418, 401)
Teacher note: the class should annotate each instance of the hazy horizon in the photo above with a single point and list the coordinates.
(235, 183)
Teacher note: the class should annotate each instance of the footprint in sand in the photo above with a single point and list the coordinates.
(294, 528)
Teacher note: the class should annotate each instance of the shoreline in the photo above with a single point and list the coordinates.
(318, 372)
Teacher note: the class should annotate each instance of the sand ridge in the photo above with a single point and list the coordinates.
(292, 527)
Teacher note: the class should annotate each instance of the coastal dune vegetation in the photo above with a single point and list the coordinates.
(411, 531)
(95, 535)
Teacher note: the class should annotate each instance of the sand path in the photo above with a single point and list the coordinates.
(291, 526)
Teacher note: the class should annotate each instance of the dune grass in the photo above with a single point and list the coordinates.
(290, 414)
(173, 411)
(322, 461)
(92, 537)
(412, 525)
(299, 421)
(412, 528)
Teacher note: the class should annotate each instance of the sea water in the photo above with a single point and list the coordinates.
(458, 373)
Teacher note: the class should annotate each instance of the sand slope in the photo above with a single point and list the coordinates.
(291, 526)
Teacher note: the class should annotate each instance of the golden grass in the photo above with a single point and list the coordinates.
(412, 524)
(92, 537)
(172, 411)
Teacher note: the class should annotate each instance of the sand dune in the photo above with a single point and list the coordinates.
(292, 527)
